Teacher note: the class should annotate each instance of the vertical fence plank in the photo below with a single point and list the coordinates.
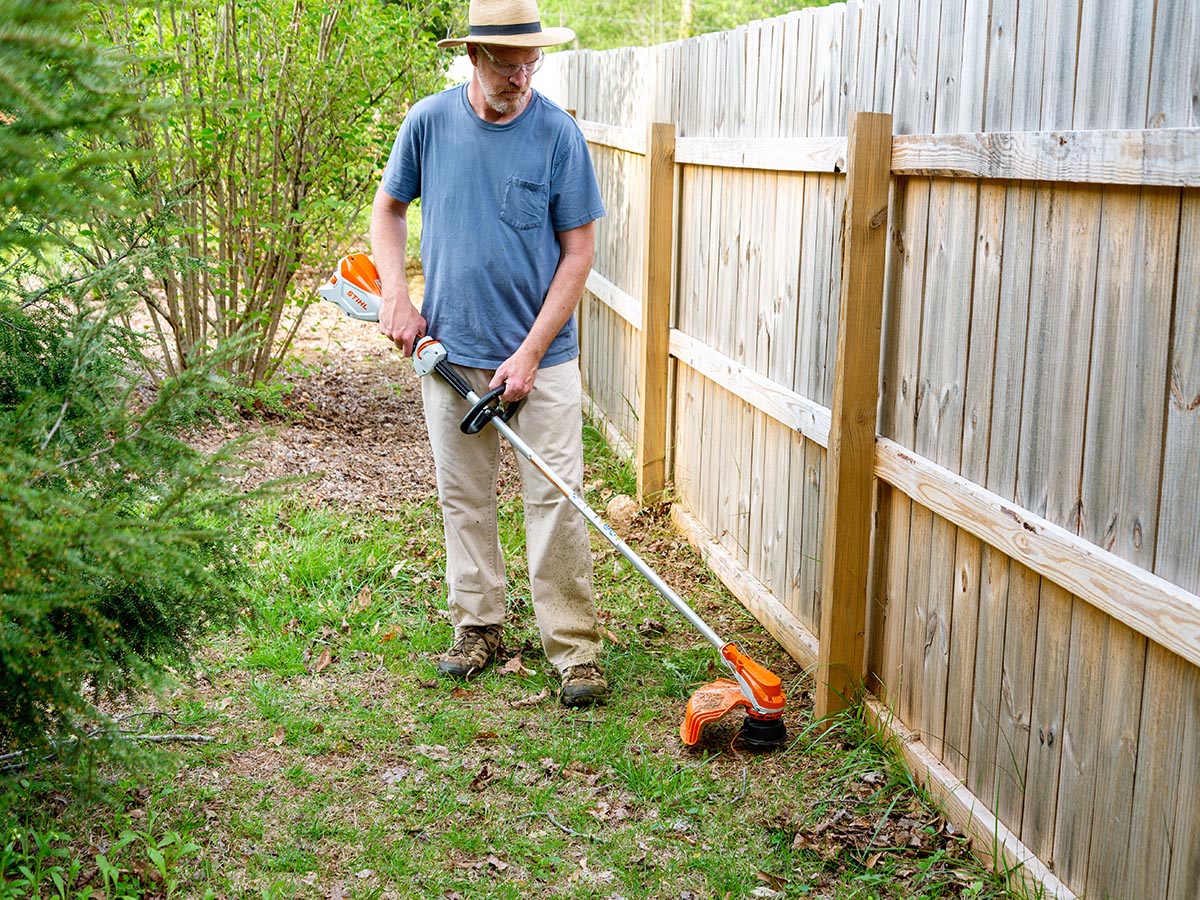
(851, 452)
(1080, 737)
(1184, 880)
(1116, 764)
(1178, 547)
(659, 198)
(1046, 719)
(1169, 680)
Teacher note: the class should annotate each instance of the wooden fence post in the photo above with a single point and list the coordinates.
(656, 312)
(850, 460)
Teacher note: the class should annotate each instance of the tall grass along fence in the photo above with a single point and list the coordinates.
(903, 297)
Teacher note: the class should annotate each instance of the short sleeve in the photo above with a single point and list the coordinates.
(402, 174)
(574, 193)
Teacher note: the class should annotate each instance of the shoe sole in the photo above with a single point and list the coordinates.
(457, 671)
(582, 699)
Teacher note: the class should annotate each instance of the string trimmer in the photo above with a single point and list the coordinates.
(355, 288)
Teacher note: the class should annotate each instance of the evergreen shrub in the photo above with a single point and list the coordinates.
(118, 540)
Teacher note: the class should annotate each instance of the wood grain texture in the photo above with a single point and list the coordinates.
(659, 200)
(1149, 604)
(1161, 157)
(850, 461)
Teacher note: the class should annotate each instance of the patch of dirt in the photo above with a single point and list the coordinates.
(353, 427)
(353, 423)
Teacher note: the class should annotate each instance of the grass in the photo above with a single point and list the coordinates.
(339, 766)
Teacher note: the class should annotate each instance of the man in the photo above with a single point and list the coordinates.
(508, 202)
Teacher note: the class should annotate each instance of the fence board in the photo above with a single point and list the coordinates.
(1177, 553)
(1116, 763)
(1163, 157)
(1046, 719)
(1152, 824)
(1134, 283)
(1184, 876)
(1080, 737)
(1174, 95)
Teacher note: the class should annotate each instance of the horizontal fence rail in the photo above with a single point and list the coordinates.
(1164, 157)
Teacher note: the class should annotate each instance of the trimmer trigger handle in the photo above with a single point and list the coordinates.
(488, 407)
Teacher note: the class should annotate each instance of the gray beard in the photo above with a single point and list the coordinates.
(499, 105)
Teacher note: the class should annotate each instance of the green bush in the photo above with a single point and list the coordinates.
(116, 541)
(116, 549)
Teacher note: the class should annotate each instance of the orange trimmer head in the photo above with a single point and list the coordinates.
(754, 687)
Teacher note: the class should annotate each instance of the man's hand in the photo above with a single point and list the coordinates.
(400, 322)
(517, 374)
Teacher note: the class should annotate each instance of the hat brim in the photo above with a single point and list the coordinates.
(548, 37)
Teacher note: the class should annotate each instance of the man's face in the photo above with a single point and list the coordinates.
(504, 75)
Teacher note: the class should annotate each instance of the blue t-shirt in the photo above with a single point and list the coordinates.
(492, 198)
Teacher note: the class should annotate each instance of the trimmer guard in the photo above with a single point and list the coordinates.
(709, 703)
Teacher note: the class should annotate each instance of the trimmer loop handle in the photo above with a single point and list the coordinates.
(487, 408)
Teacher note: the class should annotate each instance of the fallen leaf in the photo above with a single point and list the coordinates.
(338, 892)
(324, 661)
(278, 737)
(394, 775)
(498, 864)
(872, 860)
(650, 626)
(460, 693)
(530, 701)
(482, 777)
(608, 634)
(363, 601)
(363, 873)
(515, 667)
(775, 882)
(391, 634)
(765, 892)
(428, 685)
(292, 625)
(582, 772)
(483, 736)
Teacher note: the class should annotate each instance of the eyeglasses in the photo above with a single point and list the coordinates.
(508, 70)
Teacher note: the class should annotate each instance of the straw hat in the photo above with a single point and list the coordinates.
(509, 23)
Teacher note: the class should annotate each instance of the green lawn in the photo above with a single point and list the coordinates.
(325, 758)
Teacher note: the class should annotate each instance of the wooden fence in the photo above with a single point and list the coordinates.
(1004, 293)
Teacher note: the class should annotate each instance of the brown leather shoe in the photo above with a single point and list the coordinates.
(583, 685)
(474, 649)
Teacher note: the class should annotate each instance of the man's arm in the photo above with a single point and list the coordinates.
(398, 319)
(519, 370)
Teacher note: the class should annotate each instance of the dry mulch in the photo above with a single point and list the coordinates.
(353, 423)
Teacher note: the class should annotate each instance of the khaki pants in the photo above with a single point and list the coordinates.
(556, 538)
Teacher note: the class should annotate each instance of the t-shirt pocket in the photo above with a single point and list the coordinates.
(525, 203)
